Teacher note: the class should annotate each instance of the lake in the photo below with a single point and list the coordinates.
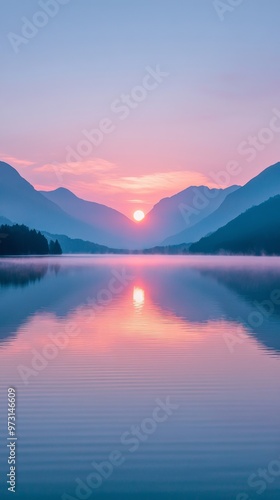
(144, 377)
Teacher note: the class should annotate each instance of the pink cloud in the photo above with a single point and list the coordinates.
(16, 161)
(171, 182)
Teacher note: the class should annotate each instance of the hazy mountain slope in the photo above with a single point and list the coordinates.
(22, 204)
(255, 232)
(122, 230)
(256, 191)
(166, 218)
(172, 215)
(78, 246)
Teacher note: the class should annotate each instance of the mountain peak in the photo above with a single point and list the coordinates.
(10, 177)
(257, 190)
(61, 190)
(7, 169)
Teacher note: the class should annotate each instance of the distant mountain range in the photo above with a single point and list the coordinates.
(177, 221)
(257, 190)
(167, 217)
(62, 212)
(171, 215)
(21, 203)
(76, 246)
(105, 225)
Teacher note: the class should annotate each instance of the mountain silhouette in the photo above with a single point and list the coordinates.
(22, 204)
(165, 218)
(201, 209)
(257, 190)
(170, 215)
(255, 232)
(78, 246)
(62, 212)
(120, 231)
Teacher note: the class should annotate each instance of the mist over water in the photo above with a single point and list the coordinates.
(94, 345)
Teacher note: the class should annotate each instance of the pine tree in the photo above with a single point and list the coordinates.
(20, 240)
(55, 248)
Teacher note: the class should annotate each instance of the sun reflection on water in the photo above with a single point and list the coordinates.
(138, 297)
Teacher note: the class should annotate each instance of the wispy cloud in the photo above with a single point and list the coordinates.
(15, 161)
(138, 201)
(103, 176)
(159, 181)
(96, 165)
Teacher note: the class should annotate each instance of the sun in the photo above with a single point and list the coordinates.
(138, 215)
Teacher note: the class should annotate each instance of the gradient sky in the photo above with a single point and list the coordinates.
(222, 86)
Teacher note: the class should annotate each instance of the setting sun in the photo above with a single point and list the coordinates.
(138, 215)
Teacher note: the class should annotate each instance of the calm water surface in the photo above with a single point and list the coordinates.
(96, 347)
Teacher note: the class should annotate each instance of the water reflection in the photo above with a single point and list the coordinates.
(98, 361)
(138, 297)
(196, 290)
(18, 275)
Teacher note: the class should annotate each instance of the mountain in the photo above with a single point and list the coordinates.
(62, 212)
(166, 218)
(257, 190)
(78, 246)
(111, 228)
(21, 203)
(255, 232)
(172, 215)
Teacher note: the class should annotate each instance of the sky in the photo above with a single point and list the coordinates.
(126, 101)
